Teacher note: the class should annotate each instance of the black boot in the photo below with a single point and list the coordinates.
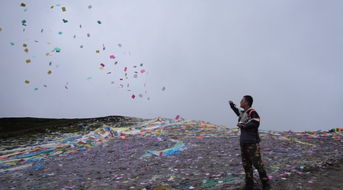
(248, 186)
(266, 185)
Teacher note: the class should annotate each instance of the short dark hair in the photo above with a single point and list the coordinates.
(249, 99)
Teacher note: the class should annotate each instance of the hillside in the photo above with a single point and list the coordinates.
(131, 153)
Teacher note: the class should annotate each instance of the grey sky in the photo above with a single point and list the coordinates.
(287, 54)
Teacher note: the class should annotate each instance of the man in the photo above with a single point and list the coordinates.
(248, 122)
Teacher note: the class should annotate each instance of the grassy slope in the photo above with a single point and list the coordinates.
(12, 127)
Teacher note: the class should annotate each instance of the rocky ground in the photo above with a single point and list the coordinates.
(328, 178)
(206, 163)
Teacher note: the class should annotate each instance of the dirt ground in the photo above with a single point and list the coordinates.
(329, 178)
(206, 163)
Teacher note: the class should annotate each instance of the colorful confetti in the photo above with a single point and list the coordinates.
(129, 74)
(24, 22)
(57, 50)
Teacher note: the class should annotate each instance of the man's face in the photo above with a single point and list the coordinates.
(243, 103)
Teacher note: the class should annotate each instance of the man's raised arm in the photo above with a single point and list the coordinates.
(234, 108)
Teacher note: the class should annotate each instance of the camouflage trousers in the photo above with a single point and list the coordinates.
(251, 155)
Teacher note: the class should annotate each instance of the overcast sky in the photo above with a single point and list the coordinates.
(182, 57)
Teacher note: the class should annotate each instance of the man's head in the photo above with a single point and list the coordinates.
(246, 102)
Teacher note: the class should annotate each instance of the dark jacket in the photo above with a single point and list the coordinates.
(251, 122)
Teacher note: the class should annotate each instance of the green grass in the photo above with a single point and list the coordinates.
(27, 126)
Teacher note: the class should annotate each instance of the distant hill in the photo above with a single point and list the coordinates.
(18, 126)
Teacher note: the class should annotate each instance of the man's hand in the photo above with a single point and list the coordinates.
(234, 108)
(240, 125)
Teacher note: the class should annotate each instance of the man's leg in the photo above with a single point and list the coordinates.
(258, 164)
(247, 165)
